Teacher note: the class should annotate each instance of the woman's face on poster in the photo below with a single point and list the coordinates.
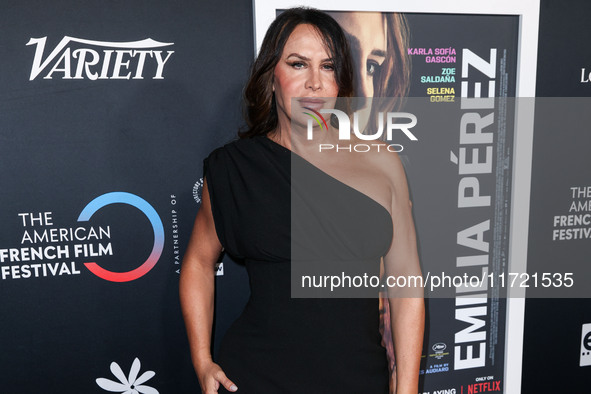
(366, 33)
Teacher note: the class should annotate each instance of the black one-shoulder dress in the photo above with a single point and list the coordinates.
(281, 344)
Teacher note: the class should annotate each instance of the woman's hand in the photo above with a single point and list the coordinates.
(211, 377)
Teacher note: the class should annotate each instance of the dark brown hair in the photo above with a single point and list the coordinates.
(393, 82)
(260, 109)
(394, 79)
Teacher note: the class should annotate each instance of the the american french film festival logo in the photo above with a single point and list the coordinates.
(45, 248)
(77, 58)
(157, 226)
(391, 120)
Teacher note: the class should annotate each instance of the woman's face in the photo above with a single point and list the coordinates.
(305, 70)
(366, 33)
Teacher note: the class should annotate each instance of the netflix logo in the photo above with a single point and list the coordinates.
(483, 387)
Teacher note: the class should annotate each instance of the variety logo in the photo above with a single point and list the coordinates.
(585, 359)
(77, 58)
(131, 384)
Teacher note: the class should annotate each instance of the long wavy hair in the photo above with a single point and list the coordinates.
(260, 111)
(392, 84)
(394, 80)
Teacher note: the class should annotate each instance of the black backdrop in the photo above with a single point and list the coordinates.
(64, 142)
(552, 333)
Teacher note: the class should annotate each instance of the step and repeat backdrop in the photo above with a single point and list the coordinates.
(557, 331)
(107, 110)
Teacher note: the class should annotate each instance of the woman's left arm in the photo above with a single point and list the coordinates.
(407, 308)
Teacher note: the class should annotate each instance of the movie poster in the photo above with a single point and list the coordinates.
(457, 72)
(460, 177)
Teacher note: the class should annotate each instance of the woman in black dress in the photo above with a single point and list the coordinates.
(282, 344)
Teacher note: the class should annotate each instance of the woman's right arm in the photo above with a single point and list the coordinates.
(196, 288)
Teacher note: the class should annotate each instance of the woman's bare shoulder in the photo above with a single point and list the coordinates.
(388, 163)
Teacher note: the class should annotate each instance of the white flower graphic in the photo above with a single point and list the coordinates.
(130, 385)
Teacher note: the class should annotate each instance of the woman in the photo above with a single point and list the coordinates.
(281, 344)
